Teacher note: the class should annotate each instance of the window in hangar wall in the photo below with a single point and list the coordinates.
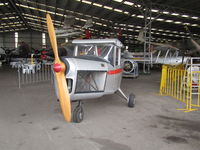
(16, 39)
(43, 40)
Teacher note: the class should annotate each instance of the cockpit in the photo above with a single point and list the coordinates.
(105, 49)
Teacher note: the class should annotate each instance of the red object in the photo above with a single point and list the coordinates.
(57, 67)
(87, 34)
(119, 34)
(44, 52)
(98, 51)
(43, 57)
(111, 72)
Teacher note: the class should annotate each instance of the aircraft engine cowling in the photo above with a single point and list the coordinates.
(130, 68)
(84, 77)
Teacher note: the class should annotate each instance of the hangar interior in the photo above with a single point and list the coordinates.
(160, 65)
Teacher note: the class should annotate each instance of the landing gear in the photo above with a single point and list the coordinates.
(78, 113)
(131, 100)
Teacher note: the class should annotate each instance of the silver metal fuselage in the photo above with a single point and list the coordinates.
(93, 76)
(110, 82)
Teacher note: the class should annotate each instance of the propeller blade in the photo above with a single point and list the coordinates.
(59, 68)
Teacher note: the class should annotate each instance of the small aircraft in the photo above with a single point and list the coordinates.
(68, 30)
(94, 70)
(161, 53)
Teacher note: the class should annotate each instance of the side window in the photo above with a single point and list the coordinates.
(110, 57)
(118, 56)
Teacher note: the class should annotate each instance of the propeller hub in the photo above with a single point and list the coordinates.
(57, 67)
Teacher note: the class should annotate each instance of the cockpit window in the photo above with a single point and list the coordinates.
(105, 51)
(86, 50)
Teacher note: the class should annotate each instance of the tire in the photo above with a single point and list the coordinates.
(131, 101)
(78, 114)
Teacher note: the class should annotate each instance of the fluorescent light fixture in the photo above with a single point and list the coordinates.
(128, 3)
(83, 20)
(87, 2)
(185, 16)
(137, 5)
(96, 4)
(165, 12)
(177, 22)
(152, 18)
(168, 20)
(118, 0)
(122, 24)
(175, 14)
(118, 10)
(194, 25)
(107, 7)
(154, 10)
(140, 16)
(138, 27)
(194, 17)
(133, 15)
(2, 4)
(126, 12)
(130, 25)
(186, 23)
(159, 19)
(99, 23)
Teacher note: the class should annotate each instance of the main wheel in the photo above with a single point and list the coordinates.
(131, 100)
(78, 114)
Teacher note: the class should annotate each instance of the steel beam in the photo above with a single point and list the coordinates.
(13, 5)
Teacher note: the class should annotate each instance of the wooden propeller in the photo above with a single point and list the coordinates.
(59, 69)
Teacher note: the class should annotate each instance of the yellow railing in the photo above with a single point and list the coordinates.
(182, 85)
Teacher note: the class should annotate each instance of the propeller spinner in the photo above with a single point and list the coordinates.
(59, 69)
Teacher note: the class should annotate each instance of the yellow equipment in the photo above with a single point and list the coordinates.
(182, 84)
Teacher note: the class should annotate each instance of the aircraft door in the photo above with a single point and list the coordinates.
(115, 71)
(118, 66)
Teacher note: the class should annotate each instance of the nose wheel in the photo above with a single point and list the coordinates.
(78, 113)
(131, 100)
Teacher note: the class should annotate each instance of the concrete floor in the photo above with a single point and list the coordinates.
(30, 118)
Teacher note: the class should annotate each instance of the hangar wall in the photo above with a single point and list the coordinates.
(7, 40)
(32, 38)
(1, 40)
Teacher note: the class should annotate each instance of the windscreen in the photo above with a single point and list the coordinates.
(105, 51)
